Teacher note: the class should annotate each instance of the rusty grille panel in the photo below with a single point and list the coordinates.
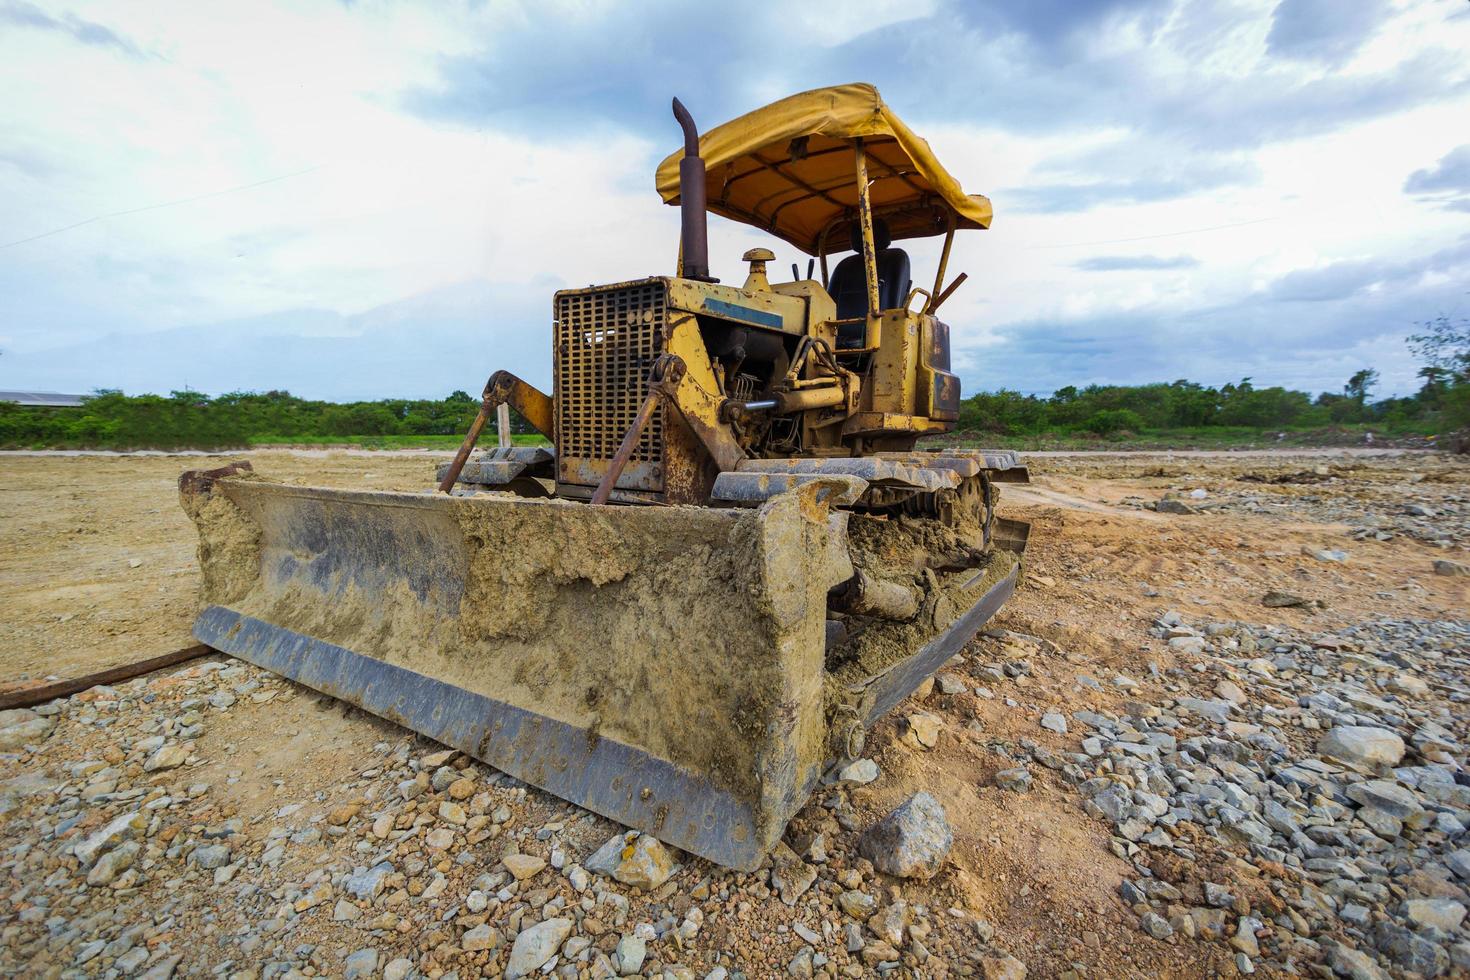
(606, 341)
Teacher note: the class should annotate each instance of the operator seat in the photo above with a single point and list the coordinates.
(849, 289)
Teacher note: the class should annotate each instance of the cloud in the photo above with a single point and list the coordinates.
(24, 14)
(1446, 183)
(1323, 30)
(1341, 280)
(512, 145)
(1122, 263)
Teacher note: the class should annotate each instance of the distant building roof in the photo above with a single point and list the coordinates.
(41, 399)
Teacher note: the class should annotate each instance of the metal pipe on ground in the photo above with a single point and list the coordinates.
(31, 696)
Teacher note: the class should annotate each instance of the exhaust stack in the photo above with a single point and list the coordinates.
(694, 235)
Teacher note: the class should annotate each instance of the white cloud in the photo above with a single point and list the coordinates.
(376, 205)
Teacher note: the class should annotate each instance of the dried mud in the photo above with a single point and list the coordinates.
(692, 634)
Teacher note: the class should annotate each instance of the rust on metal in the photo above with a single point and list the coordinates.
(534, 405)
(959, 281)
(200, 481)
(465, 447)
(29, 696)
(666, 373)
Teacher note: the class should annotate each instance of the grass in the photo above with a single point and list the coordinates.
(1203, 437)
(387, 442)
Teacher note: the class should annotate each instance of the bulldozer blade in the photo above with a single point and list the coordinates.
(661, 666)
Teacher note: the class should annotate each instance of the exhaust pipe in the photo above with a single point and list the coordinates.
(694, 235)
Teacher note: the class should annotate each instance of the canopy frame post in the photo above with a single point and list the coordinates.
(943, 263)
(870, 253)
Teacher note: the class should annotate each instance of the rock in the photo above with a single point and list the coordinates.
(1016, 780)
(921, 729)
(1362, 747)
(1054, 721)
(858, 773)
(117, 830)
(22, 733)
(113, 863)
(1415, 954)
(634, 859)
(1408, 684)
(912, 841)
(631, 950)
(462, 789)
(1230, 691)
(1171, 506)
(451, 812)
(523, 866)
(366, 883)
(892, 922)
(398, 969)
(1442, 913)
(482, 937)
(1282, 600)
(436, 759)
(949, 683)
(169, 756)
(211, 856)
(790, 875)
(440, 838)
(1244, 939)
(14, 716)
(345, 911)
(1326, 554)
(1000, 965)
(1443, 566)
(1381, 794)
(363, 963)
(1156, 925)
(1459, 863)
(859, 905)
(1216, 711)
(1348, 962)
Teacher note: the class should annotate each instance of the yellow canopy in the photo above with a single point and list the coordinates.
(788, 168)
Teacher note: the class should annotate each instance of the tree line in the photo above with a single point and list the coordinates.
(190, 419)
(1442, 401)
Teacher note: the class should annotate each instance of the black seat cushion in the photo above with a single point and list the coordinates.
(848, 286)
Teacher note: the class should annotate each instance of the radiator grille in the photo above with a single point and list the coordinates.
(606, 341)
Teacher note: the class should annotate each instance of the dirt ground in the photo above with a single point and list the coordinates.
(97, 568)
(97, 563)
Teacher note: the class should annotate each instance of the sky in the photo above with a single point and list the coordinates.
(373, 199)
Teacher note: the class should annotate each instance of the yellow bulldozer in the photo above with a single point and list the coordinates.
(732, 558)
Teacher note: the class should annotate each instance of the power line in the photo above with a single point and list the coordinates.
(155, 207)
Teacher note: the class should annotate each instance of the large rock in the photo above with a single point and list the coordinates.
(535, 945)
(912, 841)
(1381, 794)
(169, 756)
(634, 859)
(1348, 962)
(1362, 747)
(1444, 914)
(113, 863)
(25, 732)
(121, 828)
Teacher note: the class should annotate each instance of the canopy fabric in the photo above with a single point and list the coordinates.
(789, 169)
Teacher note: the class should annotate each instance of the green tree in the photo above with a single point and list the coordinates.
(1360, 385)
